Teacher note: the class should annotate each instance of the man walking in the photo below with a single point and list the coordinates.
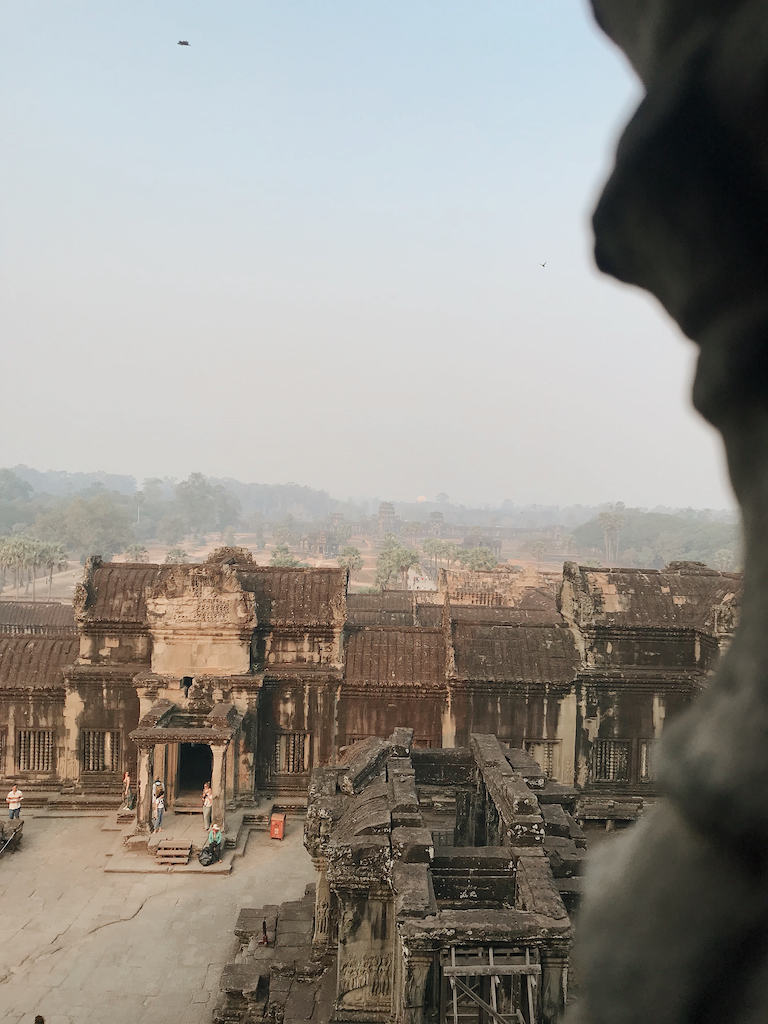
(207, 806)
(13, 800)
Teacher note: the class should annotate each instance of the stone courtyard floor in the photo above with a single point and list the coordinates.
(81, 946)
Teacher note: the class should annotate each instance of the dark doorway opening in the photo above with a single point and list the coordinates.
(195, 766)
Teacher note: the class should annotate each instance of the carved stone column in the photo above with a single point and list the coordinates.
(219, 784)
(415, 974)
(144, 790)
(554, 983)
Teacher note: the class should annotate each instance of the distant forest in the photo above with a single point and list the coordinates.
(77, 514)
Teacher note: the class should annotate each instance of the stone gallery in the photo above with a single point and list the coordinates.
(252, 677)
(435, 897)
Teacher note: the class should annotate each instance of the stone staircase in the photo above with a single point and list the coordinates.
(173, 851)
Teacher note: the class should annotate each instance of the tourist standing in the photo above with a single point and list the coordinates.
(207, 806)
(158, 807)
(13, 800)
(127, 795)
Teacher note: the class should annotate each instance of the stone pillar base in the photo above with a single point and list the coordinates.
(137, 843)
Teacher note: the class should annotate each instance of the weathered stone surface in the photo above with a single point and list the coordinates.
(241, 978)
(366, 761)
(536, 890)
(415, 894)
(412, 845)
(555, 821)
(673, 926)
(565, 857)
(250, 922)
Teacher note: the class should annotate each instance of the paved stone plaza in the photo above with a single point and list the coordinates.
(81, 946)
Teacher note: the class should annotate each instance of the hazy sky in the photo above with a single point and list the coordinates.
(307, 247)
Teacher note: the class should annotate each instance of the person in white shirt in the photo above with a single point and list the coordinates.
(13, 800)
(207, 806)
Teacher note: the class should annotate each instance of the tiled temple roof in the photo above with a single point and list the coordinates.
(676, 598)
(303, 597)
(36, 662)
(524, 652)
(115, 592)
(389, 608)
(502, 616)
(36, 617)
(390, 656)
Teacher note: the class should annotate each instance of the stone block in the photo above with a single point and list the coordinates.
(415, 896)
(401, 742)
(565, 858)
(300, 1004)
(555, 820)
(412, 845)
(249, 922)
(526, 830)
(366, 761)
(576, 832)
(406, 819)
(241, 978)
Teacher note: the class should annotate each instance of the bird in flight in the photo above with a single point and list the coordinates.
(183, 42)
(543, 264)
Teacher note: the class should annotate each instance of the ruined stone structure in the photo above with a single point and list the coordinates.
(254, 676)
(436, 897)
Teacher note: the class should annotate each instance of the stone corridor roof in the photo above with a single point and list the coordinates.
(390, 656)
(390, 608)
(523, 652)
(677, 598)
(301, 597)
(114, 592)
(36, 617)
(36, 662)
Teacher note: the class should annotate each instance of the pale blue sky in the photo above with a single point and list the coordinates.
(307, 247)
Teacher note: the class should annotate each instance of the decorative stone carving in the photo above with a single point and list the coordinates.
(363, 979)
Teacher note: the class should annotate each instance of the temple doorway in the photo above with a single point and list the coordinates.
(195, 766)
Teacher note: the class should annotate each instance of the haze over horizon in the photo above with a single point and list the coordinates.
(308, 247)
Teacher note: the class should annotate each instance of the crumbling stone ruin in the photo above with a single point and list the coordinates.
(252, 677)
(675, 927)
(439, 893)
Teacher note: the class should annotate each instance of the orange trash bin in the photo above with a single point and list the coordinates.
(276, 826)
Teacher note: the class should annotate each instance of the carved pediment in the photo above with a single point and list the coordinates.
(208, 597)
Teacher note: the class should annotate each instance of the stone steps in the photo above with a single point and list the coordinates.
(173, 851)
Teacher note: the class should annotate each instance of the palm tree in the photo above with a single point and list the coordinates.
(6, 560)
(612, 519)
(350, 559)
(20, 553)
(54, 558)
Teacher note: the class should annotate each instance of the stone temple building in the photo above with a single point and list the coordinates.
(438, 898)
(254, 676)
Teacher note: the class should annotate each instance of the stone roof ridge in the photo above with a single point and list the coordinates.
(367, 759)
(521, 820)
(372, 626)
